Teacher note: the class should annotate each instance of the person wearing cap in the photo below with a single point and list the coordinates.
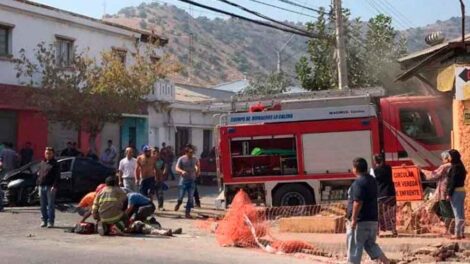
(145, 172)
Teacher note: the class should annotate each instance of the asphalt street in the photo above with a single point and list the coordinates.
(23, 241)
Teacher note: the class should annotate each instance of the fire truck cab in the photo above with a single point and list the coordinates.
(303, 153)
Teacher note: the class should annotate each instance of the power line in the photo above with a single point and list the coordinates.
(302, 6)
(380, 11)
(262, 23)
(263, 16)
(282, 8)
(400, 14)
(200, 11)
(392, 13)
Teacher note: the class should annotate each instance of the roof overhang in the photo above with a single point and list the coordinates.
(418, 60)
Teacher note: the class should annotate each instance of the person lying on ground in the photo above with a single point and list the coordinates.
(139, 227)
(108, 208)
(139, 210)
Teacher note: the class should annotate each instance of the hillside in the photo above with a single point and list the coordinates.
(214, 51)
(451, 28)
(220, 50)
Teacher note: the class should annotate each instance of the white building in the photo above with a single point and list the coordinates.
(186, 118)
(25, 24)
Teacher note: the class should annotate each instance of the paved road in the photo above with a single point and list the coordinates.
(23, 241)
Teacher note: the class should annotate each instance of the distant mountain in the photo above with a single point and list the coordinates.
(450, 28)
(219, 50)
(216, 50)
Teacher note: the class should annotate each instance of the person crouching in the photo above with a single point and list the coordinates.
(108, 208)
(139, 207)
(86, 203)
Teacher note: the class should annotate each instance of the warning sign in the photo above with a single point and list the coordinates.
(466, 117)
(462, 83)
(407, 182)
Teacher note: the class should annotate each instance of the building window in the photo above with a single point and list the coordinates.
(207, 140)
(64, 51)
(182, 138)
(121, 54)
(154, 59)
(419, 124)
(5, 36)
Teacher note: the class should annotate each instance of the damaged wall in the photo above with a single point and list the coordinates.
(461, 140)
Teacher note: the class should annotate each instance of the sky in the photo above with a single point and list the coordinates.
(405, 13)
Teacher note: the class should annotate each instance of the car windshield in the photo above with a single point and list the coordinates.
(32, 166)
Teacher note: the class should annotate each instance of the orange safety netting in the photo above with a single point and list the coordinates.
(245, 226)
(233, 231)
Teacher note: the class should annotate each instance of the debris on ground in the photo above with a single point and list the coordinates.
(209, 224)
(450, 252)
(418, 219)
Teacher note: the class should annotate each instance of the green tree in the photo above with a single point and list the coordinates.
(271, 84)
(383, 47)
(371, 56)
(86, 93)
(318, 71)
(356, 54)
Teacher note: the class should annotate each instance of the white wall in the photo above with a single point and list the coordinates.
(32, 25)
(59, 135)
(197, 139)
(191, 117)
(110, 131)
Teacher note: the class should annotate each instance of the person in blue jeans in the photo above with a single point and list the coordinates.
(2, 196)
(47, 181)
(456, 192)
(362, 215)
(188, 168)
(145, 172)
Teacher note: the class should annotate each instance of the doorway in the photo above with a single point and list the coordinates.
(8, 127)
(182, 138)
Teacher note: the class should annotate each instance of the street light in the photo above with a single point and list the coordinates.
(279, 53)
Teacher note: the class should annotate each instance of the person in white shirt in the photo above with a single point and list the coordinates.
(127, 171)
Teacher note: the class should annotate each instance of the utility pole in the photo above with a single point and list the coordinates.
(279, 68)
(340, 47)
(462, 8)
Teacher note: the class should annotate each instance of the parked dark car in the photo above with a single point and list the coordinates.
(78, 176)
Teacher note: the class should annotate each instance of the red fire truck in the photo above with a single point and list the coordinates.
(303, 153)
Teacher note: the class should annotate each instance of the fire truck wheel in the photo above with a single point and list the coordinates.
(293, 195)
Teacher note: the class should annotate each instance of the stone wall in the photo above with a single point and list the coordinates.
(461, 141)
